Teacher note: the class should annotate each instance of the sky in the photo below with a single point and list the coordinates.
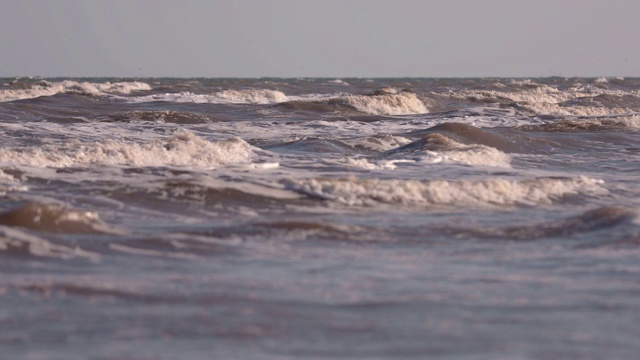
(319, 38)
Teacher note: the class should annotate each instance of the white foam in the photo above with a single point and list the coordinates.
(45, 88)
(403, 103)
(182, 149)
(489, 192)
(248, 96)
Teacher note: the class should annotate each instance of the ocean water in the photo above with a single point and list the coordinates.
(320, 218)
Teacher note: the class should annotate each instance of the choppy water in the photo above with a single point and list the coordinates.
(320, 218)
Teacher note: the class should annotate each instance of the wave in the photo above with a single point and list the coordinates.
(489, 192)
(379, 142)
(387, 102)
(167, 116)
(505, 140)
(366, 164)
(10, 183)
(252, 96)
(382, 102)
(548, 100)
(591, 220)
(437, 148)
(307, 229)
(53, 218)
(313, 145)
(16, 242)
(588, 124)
(182, 149)
(247, 96)
(45, 88)
(317, 107)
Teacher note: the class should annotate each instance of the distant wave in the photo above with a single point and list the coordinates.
(548, 100)
(45, 88)
(382, 102)
(248, 96)
(386, 102)
(166, 116)
(586, 124)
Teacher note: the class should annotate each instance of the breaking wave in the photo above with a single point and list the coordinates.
(16, 242)
(9, 183)
(389, 102)
(379, 142)
(548, 100)
(182, 149)
(436, 148)
(53, 218)
(489, 192)
(589, 124)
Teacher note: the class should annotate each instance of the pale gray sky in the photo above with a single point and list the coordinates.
(319, 38)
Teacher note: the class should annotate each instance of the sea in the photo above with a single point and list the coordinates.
(308, 218)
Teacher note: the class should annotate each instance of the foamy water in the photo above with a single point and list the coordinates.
(319, 218)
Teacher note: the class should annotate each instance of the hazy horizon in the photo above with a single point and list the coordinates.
(328, 39)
